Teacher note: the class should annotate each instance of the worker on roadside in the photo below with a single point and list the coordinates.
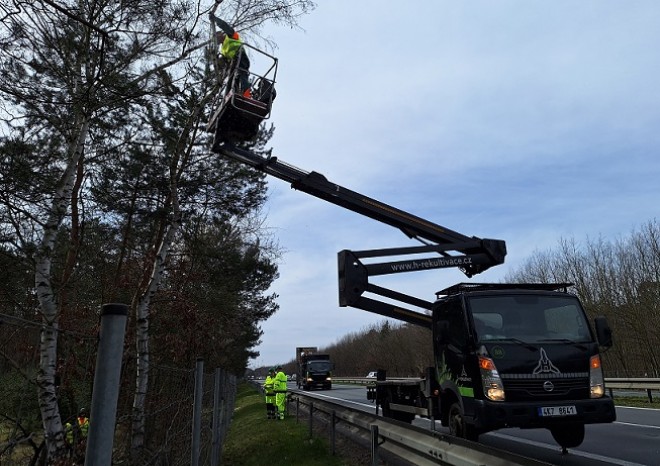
(75, 434)
(231, 47)
(280, 392)
(269, 390)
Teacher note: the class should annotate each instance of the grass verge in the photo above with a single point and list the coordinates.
(253, 440)
(637, 402)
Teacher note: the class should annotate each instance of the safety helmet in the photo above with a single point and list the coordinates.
(83, 411)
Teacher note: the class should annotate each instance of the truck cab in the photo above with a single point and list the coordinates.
(519, 355)
(317, 373)
(314, 369)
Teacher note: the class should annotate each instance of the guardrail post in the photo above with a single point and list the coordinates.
(332, 431)
(297, 408)
(311, 419)
(650, 395)
(429, 406)
(374, 445)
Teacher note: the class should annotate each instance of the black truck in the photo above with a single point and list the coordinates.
(506, 355)
(314, 369)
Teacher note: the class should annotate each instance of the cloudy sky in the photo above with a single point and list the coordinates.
(527, 121)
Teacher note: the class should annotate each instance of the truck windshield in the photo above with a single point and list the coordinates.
(319, 366)
(529, 318)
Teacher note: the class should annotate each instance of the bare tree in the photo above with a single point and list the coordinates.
(615, 278)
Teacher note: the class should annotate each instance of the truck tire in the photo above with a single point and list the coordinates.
(457, 425)
(568, 435)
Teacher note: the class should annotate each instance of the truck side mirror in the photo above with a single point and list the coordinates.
(442, 331)
(603, 332)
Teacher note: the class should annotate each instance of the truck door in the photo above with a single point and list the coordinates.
(452, 350)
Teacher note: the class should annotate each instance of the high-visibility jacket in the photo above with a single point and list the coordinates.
(269, 386)
(230, 47)
(232, 42)
(83, 423)
(83, 428)
(280, 382)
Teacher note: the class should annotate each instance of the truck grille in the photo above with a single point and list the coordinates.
(518, 389)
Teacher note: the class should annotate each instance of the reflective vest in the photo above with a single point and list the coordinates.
(280, 382)
(83, 426)
(269, 385)
(83, 423)
(230, 47)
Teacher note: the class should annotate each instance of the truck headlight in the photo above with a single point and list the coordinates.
(492, 383)
(596, 382)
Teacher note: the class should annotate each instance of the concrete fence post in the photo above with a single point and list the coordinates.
(105, 392)
(197, 413)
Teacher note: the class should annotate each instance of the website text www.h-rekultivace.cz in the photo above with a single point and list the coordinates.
(431, 264)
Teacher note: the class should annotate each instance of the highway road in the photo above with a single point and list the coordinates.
(633, 440)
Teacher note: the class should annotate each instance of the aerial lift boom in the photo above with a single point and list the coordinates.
(451, 249)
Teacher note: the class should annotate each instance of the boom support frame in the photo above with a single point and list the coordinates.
(471, 255)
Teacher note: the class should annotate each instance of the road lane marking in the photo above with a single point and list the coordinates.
(584, 454)
(636, 425)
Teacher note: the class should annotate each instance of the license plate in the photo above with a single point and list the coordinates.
(557, 411)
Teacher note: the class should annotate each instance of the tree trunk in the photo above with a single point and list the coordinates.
(47, 395)
(142, 306)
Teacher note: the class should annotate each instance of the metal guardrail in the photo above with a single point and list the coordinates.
(611, 383)
(397, 442)
(633, 383)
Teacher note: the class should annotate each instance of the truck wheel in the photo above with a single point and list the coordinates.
(457, 425)
(568, 435)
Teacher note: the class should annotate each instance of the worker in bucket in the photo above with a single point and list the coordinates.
(231, 46)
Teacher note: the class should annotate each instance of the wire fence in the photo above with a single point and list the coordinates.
(176, 419)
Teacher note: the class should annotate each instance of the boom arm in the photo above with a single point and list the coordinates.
(451, 249)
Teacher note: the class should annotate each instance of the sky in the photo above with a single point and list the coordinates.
(527, 121)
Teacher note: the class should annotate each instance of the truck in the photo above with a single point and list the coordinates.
(507, 355)
(314, 369)
(504, 354)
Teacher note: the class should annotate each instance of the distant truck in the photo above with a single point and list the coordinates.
(314, 370)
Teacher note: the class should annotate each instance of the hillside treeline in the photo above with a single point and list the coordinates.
(615, 278)
(618, 279)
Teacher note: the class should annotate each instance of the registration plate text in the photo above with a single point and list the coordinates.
(557, 411)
